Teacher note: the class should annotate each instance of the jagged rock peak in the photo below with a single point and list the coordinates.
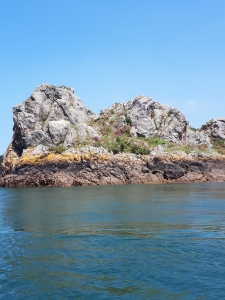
(151, 119)
(50, 116)
(148, 118)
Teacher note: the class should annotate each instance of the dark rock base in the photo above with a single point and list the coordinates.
(113, 172)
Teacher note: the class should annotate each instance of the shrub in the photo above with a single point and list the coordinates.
(97, 144)
(205, 127)
(219, 145)
(126, 129)
(122, 144)
(157, 141)
(58, 149)
(114, 147)
(139, 150)
(128, 120)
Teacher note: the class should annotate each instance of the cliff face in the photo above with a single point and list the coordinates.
(57, 141)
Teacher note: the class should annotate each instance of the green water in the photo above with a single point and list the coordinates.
(113, 242)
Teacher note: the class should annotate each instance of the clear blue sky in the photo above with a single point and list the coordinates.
(113, 50)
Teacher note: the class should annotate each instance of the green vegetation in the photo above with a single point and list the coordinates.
(128, 120)
(115, 125)
(122, 144)
(58, 149)
(174, 147)
(218, 145)
(154, 142)
(64, 87)
(116, 139)
(118, 142)
(205, 127)
(187, 148)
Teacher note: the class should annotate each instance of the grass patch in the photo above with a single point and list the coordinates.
(58, 149)
(156, 141)
(188, 148)
(174, 147)
(218, 145)
(119, 144)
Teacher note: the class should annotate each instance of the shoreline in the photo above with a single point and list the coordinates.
(89, 169)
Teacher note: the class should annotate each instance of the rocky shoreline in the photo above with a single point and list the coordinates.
(57, 141)
(91, 169)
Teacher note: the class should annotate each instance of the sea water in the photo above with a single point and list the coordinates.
(113, 242)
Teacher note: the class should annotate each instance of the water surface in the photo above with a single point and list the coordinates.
(113, 242)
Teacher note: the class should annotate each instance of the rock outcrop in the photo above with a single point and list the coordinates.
(50, 116)
(92, 168)
(57, 141)
(150, 119)
(215, 128)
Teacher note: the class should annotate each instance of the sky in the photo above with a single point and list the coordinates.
(113, 50)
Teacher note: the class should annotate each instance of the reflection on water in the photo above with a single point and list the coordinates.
(131, 242)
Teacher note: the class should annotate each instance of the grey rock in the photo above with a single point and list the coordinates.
(54, 116)
(95, 150)
(197, 138)
(58, 131)
(215, 128)
(40, 149)
(48, 117)
(152, 119)
(70, 138)
(111, 119)
(87, 149)
(117, 108)
(122, 121)
(158, 150)
(84, 132)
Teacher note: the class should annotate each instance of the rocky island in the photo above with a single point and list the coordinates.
(57, 141)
